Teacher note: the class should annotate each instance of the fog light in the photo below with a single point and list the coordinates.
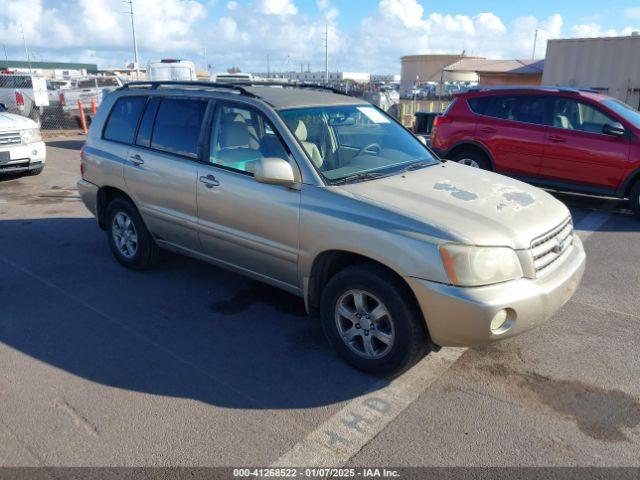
(498, 322)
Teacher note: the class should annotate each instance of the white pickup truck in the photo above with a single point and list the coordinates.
(85, 90)
(24, 93)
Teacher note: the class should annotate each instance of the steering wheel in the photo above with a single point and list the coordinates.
(367, 148)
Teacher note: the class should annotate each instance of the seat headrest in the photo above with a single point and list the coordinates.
(234, 135)
(300, 131)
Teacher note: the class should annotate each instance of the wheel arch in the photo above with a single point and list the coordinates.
(329, 262)
(105, 195)
(470, 145)
(629, 182)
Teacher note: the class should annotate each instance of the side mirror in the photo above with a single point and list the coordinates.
(614, 128)
(275, 171)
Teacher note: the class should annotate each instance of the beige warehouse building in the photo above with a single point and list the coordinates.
(610, 65)
(429, 68)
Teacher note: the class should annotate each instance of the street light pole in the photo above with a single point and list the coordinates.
(535, 41)
(326, 53)
(26, 50)
(135, 44)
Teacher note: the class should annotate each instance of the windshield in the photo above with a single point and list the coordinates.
(629, 113)
(346, 142)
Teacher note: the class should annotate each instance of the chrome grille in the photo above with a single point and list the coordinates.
(9, 138)
(548, 248)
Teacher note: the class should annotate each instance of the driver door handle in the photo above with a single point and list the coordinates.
(209, 180)
(136, 159)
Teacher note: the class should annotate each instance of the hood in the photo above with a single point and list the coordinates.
(471, 204)
(12, 122)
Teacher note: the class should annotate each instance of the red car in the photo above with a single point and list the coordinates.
(562, 138)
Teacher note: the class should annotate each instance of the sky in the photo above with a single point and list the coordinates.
(364, 35)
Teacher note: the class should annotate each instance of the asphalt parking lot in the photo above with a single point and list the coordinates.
(191, 365)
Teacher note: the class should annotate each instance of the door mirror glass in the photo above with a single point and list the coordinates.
(274, 170)
(613, 128)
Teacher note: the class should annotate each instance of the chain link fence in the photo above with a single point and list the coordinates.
(32, 96)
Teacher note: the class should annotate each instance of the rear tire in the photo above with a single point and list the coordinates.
(396, 340)
(473, 159)
(128, 237)
(634, 198)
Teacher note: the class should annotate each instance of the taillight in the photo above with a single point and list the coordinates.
(63, 102)
(19, 99)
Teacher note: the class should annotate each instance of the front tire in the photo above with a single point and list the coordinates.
(634, 198)
(128, 237)
(372, 321)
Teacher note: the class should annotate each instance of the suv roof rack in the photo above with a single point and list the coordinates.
(153, 85)
(239, 87)
(561, 89)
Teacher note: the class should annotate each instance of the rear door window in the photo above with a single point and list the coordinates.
(519, 108)
(123, 119)
(146, 124)
(177, 126)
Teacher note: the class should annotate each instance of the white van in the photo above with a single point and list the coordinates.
(169, 69)
(24, 93)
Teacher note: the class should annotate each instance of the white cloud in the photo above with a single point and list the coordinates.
(244, 32)
(277, 7)
(591, 30)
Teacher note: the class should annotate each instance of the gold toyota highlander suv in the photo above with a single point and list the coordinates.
(325, 196)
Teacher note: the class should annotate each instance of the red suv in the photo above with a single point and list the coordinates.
(562, 138)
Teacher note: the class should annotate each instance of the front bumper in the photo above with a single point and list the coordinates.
(23, 157)
(458, 316)
(89, 195)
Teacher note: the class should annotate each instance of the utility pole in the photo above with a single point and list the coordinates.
(26, 50)
(535, 40)
(326, 53)
(135, 44)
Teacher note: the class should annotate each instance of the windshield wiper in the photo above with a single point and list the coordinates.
(417, 166)
(359, 177)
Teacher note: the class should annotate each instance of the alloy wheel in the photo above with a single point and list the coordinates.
(124, 235)
(364, 324)
(470, 162)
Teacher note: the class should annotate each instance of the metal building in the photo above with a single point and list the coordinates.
(429, 68)
(610, 65)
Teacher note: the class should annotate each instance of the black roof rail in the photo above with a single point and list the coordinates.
(561, 89)
(154, 84)
(239, 87)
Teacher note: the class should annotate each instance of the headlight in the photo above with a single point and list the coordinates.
(472, 266)
(30, 135)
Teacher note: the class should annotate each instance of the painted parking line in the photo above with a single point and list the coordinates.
(591, 223)
(343, 435)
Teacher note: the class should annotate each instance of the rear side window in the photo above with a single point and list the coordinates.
(122, 122)
(177, 126)
(479, 104)
(519, 108)
(15, 81)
